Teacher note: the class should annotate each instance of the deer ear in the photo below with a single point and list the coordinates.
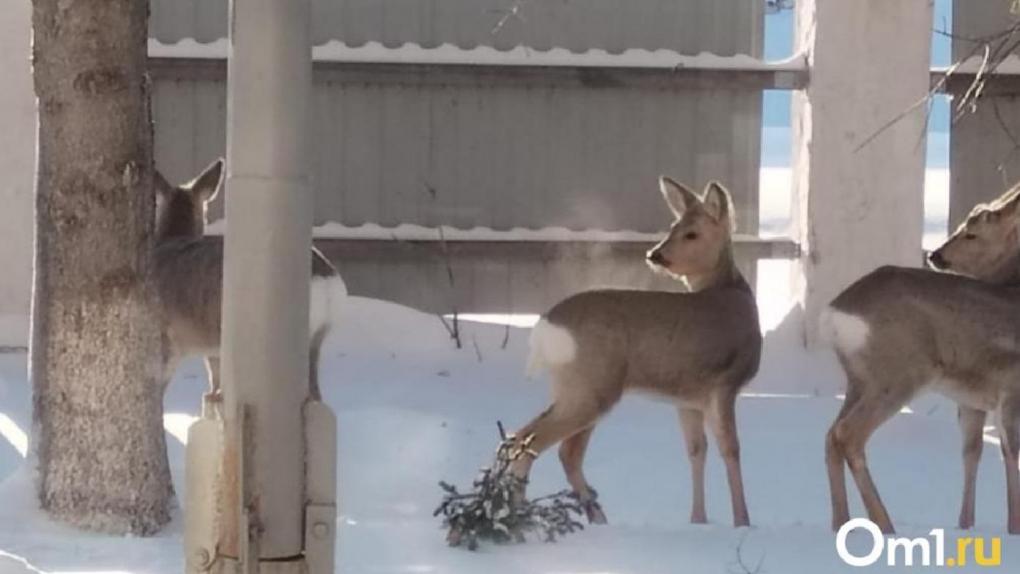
(719, 204)
(1009, 204)
(678, 196)
(208, 182)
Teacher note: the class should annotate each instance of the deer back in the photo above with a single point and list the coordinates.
(959, 333)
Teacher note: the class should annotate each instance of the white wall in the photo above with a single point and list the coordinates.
(17, 165)
(859, 204)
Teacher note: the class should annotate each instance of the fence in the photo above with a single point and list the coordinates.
(523, 162)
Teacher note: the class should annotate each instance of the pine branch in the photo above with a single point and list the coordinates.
(495, 510)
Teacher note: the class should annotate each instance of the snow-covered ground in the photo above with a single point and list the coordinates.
(413, 410)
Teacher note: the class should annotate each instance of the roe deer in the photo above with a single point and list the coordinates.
(189, 280)
(898, 331)
(696, 350)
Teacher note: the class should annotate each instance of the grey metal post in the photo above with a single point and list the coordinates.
(266, 270)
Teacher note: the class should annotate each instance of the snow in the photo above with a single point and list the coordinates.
(413, 409)
(449, 54)
(775, 206)
(415, 232)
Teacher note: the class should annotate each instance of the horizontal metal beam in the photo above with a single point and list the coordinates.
(455, 74)
(960, 82)
(394, 251)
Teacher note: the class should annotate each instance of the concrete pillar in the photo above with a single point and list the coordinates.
(17, 168)
(858, 204)
(266, 270)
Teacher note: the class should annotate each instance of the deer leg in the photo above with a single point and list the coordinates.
(315, 346)
(835, 462)
(572, 451)
(723, 420)
(851, 436)
(213, 400)
(972, 425)
(212, 369)
(559, 421)
(1009, 434)
(170, 359)
(692, 421)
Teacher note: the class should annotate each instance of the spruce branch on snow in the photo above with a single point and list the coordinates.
(495, 511)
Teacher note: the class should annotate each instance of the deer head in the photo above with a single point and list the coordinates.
(181, 210)
(698, 245)
(987, 244)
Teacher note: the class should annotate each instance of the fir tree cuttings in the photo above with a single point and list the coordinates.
(495, 511)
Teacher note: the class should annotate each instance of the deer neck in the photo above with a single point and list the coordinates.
(725, 273)
(1008, 275)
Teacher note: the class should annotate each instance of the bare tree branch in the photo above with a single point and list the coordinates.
(995, 48)
(741, 566)
(515, 12)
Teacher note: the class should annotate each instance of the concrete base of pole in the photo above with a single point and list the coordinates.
(206, 525)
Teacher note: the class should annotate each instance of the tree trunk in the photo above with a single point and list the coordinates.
(95, 353)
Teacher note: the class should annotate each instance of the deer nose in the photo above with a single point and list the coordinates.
(656, 257)
(937, 261)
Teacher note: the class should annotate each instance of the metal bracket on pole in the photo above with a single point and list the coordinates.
(320, 487)
(202, 473)
(247, 520)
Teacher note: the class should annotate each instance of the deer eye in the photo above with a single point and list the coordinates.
(691, 235)
(969, 236)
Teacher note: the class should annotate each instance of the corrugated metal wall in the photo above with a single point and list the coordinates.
(503, 149)
(724, 27)
(471, 146)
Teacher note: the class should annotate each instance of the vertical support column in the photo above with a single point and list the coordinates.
(266, 271)
(17, 168)
(859, 204)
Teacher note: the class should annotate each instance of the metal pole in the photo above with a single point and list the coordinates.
(265, 283)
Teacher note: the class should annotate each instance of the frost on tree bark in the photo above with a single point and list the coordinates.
(95, 348)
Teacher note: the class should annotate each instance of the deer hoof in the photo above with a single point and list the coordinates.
(699, 519)
(453, 537)
(594, 512)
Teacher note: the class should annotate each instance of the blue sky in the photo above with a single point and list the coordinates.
(776, 105)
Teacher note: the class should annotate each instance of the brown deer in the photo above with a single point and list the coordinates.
(956, 330)
(189, 280)
(696, 350)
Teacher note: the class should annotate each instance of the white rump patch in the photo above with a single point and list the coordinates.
(846, 332)
(550, 345)
(326, 300)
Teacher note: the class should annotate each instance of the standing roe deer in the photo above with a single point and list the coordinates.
(898, 331)
(694, 349)
(189, 280)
